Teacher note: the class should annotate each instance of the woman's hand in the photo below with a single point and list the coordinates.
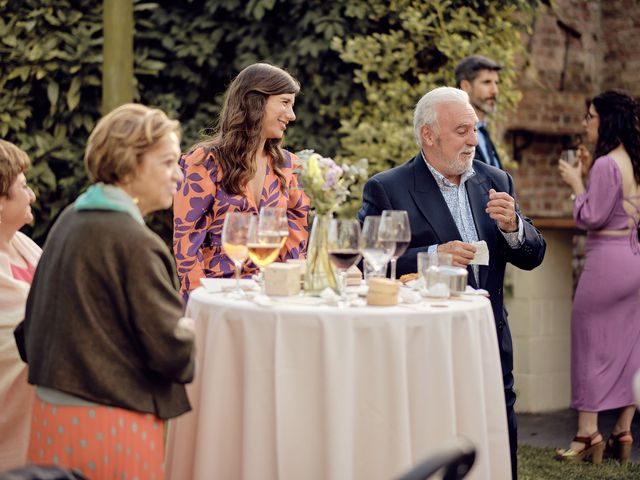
(572, 175)
(584, 156)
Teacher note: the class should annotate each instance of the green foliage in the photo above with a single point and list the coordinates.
(539, 464)
(50, 83)
(362, 66)
(415, 50)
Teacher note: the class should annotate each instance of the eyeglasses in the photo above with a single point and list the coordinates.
(588, 116)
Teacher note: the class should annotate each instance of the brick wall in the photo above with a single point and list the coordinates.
(576, 51)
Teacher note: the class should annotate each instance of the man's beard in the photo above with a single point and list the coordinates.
(461, 164)
(486, 107)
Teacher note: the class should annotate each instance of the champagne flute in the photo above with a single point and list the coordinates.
(235, 232)
(395, 228)
(263, 242)
(374, 251)
(344, 245)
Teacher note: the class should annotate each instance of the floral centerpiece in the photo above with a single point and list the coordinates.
(327, 185)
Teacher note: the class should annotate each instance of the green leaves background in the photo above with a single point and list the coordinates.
(362, 64)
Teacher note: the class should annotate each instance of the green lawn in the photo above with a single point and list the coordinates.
(536, 463)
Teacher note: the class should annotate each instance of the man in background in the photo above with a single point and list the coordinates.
(479, 77)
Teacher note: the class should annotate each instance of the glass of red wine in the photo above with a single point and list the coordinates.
(395, 228)
(344, 249)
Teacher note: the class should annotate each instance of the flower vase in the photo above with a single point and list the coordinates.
(319, 272)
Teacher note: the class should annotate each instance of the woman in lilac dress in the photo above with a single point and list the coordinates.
(605, 322)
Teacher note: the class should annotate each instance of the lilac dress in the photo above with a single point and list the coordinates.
(605, 322)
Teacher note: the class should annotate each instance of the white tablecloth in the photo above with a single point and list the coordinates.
(316, 392)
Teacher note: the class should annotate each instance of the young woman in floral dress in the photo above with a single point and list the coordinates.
(241, 168)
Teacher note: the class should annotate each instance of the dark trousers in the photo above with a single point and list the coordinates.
(510, 400)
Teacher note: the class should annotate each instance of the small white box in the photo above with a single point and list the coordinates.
(282, 279)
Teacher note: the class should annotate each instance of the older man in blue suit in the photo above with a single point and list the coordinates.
(453, 201)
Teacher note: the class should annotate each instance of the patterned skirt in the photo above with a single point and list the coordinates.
(101, 442)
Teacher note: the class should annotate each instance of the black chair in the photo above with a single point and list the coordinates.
(454, 460)
(41, 472)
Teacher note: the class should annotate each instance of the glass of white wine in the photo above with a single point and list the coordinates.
(395, 229)
(235, 233)
(376, 252)
(276, 218)
(264, 241)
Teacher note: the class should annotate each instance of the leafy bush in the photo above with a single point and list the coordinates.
(362, 66)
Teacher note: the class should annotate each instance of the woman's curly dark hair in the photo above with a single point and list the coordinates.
(619, 124)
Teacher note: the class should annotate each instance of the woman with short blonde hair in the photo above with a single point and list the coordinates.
(107, 347)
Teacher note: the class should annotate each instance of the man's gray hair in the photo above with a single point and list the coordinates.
(425, 112)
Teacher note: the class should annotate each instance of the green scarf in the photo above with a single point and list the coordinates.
(100, 196)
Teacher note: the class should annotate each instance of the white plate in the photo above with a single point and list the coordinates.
(215, 285)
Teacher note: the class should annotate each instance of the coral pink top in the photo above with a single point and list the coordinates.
(23, 273)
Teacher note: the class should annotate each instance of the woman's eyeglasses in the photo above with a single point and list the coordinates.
(588, 116)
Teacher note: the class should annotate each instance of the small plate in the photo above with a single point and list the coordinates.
(216, 285)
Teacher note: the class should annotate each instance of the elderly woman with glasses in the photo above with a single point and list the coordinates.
(18, 259)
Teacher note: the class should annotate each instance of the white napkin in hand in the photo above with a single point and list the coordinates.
(482, 253)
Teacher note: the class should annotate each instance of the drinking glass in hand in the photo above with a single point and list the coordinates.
(570, 157)
(395, 229)
(344, 245)
(263, 242)
(235, 231)
(375, 252)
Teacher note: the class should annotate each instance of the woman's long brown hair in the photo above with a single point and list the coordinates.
(237, 135)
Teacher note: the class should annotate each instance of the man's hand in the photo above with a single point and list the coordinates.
(462, 252)
(501, 207)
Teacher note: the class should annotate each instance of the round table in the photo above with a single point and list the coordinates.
(296, 389)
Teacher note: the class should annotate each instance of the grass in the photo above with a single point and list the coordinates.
(536, 463)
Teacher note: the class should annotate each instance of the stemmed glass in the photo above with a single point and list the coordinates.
(344, 245)
(395, 228)
(374, 251)
(276, 218)
(265, 238)
(235, 231)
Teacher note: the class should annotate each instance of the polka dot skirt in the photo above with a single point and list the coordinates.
(101, 442)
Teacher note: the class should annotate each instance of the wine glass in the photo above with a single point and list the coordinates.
(344, 249)
(374, 251)
(276, 218)
(263, 242)
(235, 232)
(395, 228)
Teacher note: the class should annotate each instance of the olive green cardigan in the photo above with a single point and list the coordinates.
(102, 317)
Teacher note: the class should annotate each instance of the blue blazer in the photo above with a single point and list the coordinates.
(479, 155)
(413, 188)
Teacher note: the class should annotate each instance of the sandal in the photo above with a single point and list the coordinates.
(593, 450)
(618, 448)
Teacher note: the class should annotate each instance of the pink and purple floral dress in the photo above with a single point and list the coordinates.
(201, 205)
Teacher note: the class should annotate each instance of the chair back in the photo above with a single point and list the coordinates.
(454, 460)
